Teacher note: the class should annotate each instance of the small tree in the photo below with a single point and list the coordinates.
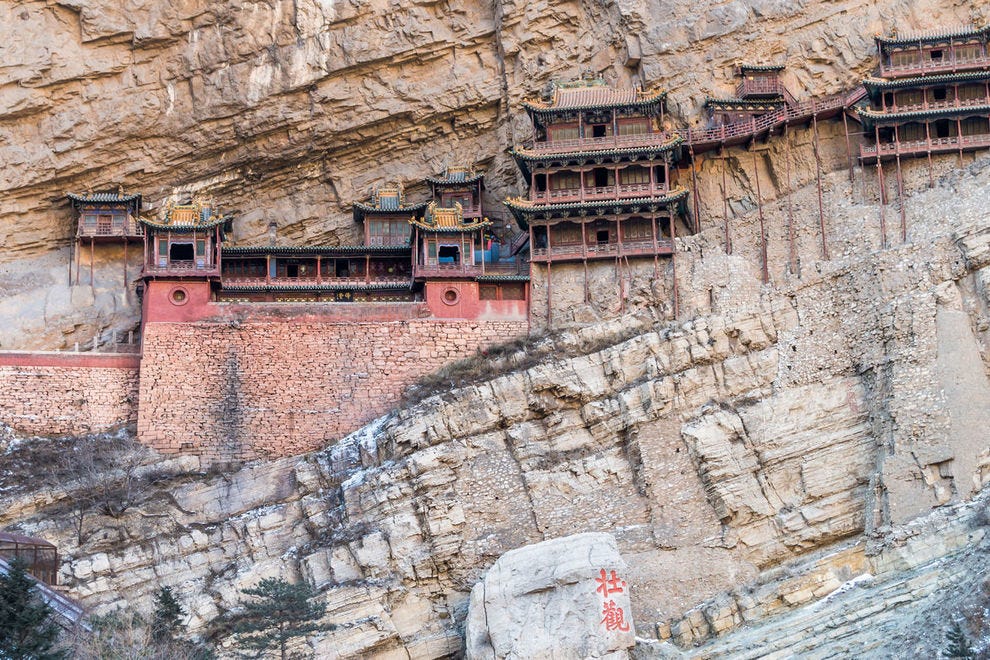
(280, 612)
(959, 646)
(26, 627)
(167, 617)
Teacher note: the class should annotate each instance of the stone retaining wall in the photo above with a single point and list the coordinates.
(265, 387)
(67, 393)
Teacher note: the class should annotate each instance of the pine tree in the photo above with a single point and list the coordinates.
(27, 631)
(958, 644)
(280, 612)
(167, 617)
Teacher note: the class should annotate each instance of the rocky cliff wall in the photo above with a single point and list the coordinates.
(781, 423)
(306, 103)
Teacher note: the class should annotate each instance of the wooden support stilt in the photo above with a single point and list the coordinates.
(792, 242)
(125, 266)
(900, 200)
(883, 219)
(673, 263)
(763, 233)
(725, 204)
(92, 261)
(694, 189)
(656, 247)
(849, 158)
(818, 177)
(928, 140)
(549, 305)
(584, 258)
(78, 258)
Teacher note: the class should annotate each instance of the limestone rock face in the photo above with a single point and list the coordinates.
(563, 598)
(287, 111)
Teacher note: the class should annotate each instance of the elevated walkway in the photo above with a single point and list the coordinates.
(68, 613)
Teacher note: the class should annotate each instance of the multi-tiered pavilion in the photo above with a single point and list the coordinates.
(599, 172)
(105, 218)
(931, 95)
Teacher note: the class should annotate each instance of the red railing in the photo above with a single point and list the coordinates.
(182, 268)
(947, 65)
(447, 270)
(599, 143)
(787, 113)
(599, 250)
(934, 145)
(623, 190)
(939, 105)
(760, 87)
(128, 228)
(309, 282)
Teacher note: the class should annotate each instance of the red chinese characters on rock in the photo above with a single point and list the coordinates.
(613, 618)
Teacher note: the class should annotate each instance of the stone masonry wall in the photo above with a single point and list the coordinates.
(67, 394)
(230, 391)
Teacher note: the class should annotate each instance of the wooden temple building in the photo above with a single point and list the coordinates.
(105, 218)
(440, 252)
(759, 92)
(599, 171)
(930, 95)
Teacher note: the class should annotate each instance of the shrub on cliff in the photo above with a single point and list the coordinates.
(279, 612)
(958, 644)
(27, 630)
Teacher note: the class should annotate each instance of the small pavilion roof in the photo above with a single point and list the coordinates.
(761, 67)
(456, 176)
(871, 117)
(931, 37)
(874, 85)
(132, 200)
(447, 219)
(187, 217)
(522, 209)
(20, 539)
(732, 103)
(388, 198)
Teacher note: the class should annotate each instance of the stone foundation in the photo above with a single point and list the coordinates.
(67, 393)
(266, 387)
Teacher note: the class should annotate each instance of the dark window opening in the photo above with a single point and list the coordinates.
(888, 99)
(340, 268)
(292, 270)
(939, 93)
(936, 55)
(180, 252)
(601, 236)
(601, 177)
(598, 131)
(660, 173)
(541, 182)
(449, 254)
(942, 129)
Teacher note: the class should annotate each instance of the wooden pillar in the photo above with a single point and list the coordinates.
(92, 260)
(268, 269)
(673, 260)
(367, 266)
(959, 139)
(694, 189)
(883, 219)
(78, 250)
(792, 243)
(818, 177)
(319, 270)
(584, 258)
(849, 158)
(928, 141)
(125, 265)
(656, 246)
(763, 233)
(618, 260)
(900, 185)
(615, 128)
(549, 262)
(725, 204)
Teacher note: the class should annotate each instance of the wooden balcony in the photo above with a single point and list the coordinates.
(578, 252)
(302, 283)
(127, 229)
(948, 104)
(868, 153)
(599, 193)
(947, 65)
(760, 87)
(599, 143)
(177, 268)
(447, 270)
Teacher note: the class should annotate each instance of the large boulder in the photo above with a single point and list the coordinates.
(564, 598)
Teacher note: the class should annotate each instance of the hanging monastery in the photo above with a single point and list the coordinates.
(273, 349)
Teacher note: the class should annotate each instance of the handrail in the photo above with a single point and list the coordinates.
(611, 141)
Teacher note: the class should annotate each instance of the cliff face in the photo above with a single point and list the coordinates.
(727, 455)
(288, 111)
